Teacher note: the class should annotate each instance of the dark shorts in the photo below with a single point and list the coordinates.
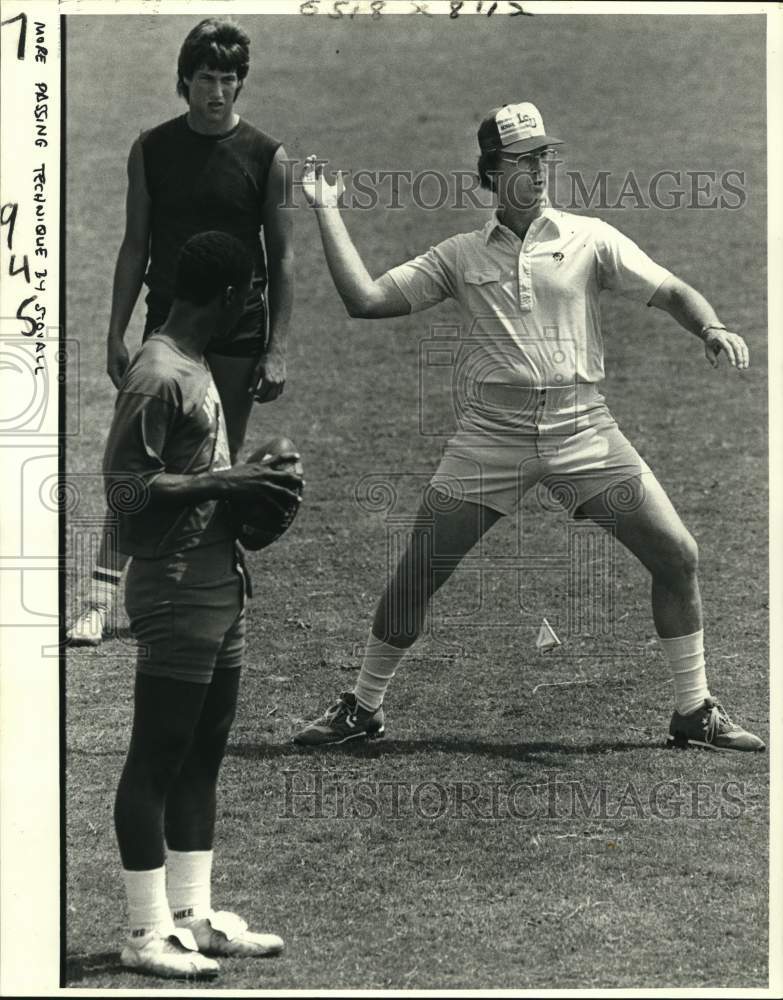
(248, 338)
(187, 612)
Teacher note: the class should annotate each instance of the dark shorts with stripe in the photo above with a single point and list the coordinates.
(248, 338)
(187, 612)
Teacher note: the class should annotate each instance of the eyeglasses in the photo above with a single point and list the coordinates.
(527, 160)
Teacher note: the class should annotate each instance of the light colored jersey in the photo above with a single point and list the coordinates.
(530, 308)
(167, 418)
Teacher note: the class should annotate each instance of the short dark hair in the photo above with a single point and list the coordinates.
(208, 264)
(488, 166)
(217, 43)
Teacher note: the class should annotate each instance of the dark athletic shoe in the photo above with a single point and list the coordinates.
(345, 720)
(711, 727)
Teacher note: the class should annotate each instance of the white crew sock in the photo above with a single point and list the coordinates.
(686, 659)
(148, 906)
(103, 587)
(378, 666)
(189, 875)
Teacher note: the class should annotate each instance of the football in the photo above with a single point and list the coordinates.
(261, 521)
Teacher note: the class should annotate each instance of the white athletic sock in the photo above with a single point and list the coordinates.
(378, 666)
(148, 906)
(103, 587)
(189, 876)
(686, 659)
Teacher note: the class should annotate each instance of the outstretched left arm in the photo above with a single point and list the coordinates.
(693, 312)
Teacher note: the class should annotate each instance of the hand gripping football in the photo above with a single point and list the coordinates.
(262, 520)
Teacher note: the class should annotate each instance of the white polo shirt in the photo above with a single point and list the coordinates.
(530, 307)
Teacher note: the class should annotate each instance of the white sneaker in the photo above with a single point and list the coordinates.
(88, 628)
(172, 955)
(226, 934)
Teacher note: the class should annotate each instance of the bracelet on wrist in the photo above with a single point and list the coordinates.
(712, 326)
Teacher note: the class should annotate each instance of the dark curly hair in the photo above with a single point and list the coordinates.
(217, 43)
(208, 264)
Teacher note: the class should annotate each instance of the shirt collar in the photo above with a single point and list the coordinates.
(549, 216)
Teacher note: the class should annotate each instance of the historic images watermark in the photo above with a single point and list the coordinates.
(672, 188)
(318, 796)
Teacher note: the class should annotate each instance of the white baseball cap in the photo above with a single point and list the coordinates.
(517, 127)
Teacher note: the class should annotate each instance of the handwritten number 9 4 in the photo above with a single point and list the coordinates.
(8, 215)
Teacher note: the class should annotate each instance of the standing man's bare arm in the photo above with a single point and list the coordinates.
(131, 264)
(270, 375)
(363, 296)
(694, 313)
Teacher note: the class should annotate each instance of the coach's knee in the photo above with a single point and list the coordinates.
(680, 558)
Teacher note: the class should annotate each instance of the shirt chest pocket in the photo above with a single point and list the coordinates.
(485, 276)
(484, 286)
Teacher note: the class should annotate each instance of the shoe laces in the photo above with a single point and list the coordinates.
(341, 708)
(717, 720)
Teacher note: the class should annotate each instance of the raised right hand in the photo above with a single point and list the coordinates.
(318, 191)
(117, 360)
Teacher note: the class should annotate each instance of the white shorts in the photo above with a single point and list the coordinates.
(563, 440)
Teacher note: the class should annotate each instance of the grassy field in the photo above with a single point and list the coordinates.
(552, 892)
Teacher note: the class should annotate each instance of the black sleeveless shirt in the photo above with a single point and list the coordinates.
(199, 182)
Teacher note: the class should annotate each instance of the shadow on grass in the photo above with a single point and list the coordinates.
(78, 967)
(480, 748)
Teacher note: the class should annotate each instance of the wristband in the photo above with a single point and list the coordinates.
(712, 326)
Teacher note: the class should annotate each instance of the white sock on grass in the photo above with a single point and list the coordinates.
(378, 666)
(103, 587)
(189, 877)
(685, 654)
(148, 905)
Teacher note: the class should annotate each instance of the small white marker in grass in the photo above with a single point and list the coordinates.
(546, 639)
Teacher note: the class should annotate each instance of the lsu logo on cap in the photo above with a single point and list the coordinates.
(518, 121)
(519, 126)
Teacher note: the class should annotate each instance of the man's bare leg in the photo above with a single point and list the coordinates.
(438, 543)
(653, 531)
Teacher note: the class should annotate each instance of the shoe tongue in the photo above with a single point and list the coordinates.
(229, 924)
(349, 698)
(183, 936)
